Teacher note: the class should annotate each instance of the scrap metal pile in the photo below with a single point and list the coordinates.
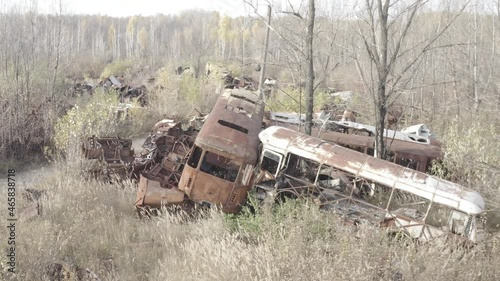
(160, 166)
(112, 155)
(127, 93)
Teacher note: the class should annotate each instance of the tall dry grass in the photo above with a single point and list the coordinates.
(92, 225)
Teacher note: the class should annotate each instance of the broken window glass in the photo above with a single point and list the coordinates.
(220, 166)
(409, 205)
(270, 162)
(302, 168)
(448, 219)
(332, 179)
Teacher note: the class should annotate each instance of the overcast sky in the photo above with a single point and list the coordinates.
(123, 8)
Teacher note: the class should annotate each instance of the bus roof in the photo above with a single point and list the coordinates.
(377, 170)
(234, 123)
(394, 145)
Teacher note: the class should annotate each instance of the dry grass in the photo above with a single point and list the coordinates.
(92, 225)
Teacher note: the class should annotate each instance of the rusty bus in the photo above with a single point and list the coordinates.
(220, 168)
(362, 188)
(416, 149)
(416, 156)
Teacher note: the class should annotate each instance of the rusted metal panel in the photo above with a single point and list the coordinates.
(150, 193)
(394, 145)
(398, 150)
(108, 148)
(160, 167)
(114, 154)
(417, 134)
(234, 141)
(389, 134)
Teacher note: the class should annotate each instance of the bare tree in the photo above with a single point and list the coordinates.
(392, 60)
(310, 67)
(302, 55)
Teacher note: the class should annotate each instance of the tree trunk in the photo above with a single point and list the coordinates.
(381, 99)
(310, 68)
(474, 61)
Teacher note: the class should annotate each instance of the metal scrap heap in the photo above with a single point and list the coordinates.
(113, 155)
(160, 166)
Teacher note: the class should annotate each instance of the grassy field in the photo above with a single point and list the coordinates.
(90, 229)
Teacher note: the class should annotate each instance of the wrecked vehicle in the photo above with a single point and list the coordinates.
(219, 170)
(364, 189)
(416, 156)
(415, 147)
(362, 129)
(160, 165)
(126, 93)
(215, 166)
(230, 155)
(113, 155)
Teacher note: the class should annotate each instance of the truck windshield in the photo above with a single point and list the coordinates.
(220, 166)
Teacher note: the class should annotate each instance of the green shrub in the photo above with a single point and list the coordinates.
(102, 115)
(117, 68)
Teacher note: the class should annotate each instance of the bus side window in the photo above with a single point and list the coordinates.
(291, 165)
(330, 178)
(300, 167)
(409, 205)
(195, 157)
(325, 177)
(271, 162)
(446, 218)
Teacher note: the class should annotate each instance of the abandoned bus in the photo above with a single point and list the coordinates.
(365, 189)
(221, 164)
(414, 155)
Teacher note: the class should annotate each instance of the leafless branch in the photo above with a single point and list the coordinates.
(429, 44)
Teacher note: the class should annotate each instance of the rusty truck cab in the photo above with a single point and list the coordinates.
(220, 167)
